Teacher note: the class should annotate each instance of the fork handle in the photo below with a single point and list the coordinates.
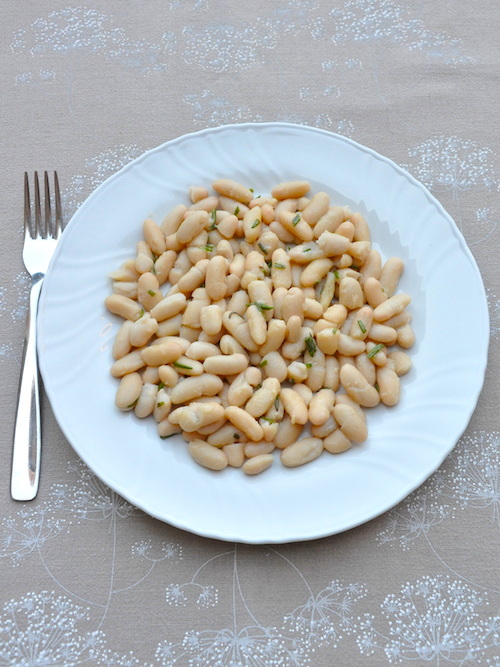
(27, 436)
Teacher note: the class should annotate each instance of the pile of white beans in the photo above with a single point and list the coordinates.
(277, 325)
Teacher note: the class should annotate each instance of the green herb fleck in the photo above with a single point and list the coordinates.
(263, 248)
(336, 274)
(279, 266)
(268, 419)
(361, 326)
(376, 386)
(151, 292)
(178, 365)
(132, 405)
(212, 227)
(277, 403)
(308, 365)
(209, 247)
(306, 249)
(335, 330)
(213, 215)
(263, 363)
(251, 189)
(296, 220)
(236, 210)
(262, 306)
(158, 405)
(310, 345)
(355, 268)
(256, 224)
(236, 436)
(161, 385)
(374, 350)
(141, 313)
(164, 437)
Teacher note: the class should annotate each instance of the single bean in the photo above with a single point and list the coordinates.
(211, 319)
(406, 336)
(142, 330)
(124, 307)
(332, 371)
(316, 365)
(163, 353)
(402, 362)
(146, 401)
(316, 208)
(191, 226)
(321, 406)
(167, 430)
(290, 189)
(381, 333)
(357, 387)
(274, 366)
(331, 220)
(128, 289)
(252, 224)
(350, 347)
(393, 306)
(235, 454)
(350, 422)
(129, 363)
(288, 432)
(169, 307)
(390, 274)
(350, 293)
(128, 391)
(168, 375)
(389, 386)
(233, 189)
(257, 464)
(337, 442)
(170, 223)
(207, 204)
(263, 398)
(163, 406)
(215, 279)
(366, 367)
(194, 387)
(222, 364)
(296, 225)
(256, 324)
(294, 406)
(121, 344)
(328, 339)
(245, 422)
(276, 332)
(154, 236)
(301, 452)
(253, 449)
(207, 456)
(197, 415)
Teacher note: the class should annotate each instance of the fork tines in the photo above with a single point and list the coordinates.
(46, 225)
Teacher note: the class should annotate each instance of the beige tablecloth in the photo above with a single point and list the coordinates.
(85, 578)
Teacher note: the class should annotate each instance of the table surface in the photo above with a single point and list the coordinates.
(87, 578)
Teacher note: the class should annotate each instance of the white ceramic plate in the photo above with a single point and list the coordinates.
(334, 493)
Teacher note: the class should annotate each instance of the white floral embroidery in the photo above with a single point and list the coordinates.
(469, 478)
(81, 28)
(375, 20)
(432, 620)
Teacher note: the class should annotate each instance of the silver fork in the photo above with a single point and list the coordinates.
(41, 235)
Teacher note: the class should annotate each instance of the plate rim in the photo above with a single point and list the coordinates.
(482, 355)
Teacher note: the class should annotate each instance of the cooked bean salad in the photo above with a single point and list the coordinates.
(259, 324)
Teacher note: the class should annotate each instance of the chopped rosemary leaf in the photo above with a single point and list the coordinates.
(151, 292)
(335, 330)
(306, 250)
(213, 215)
(153, 269)
(296, 220)
(355, 268)
(277, 403)
(376, 386)
(236, 210)
(268, 419)
(269, 263)
(160, 385)
(158, 405)
(308, 365)
(178, 365)
(256, 224)
(263, 363)
(361, 326)
(310, 345)
(277, 265)
(251, 189)
(141, 313)
(164, 437)
(132, 405)
(263, 248)
(209, 247)
(236, 436)
(261, 306)
(212, 227)
(336, 274)
(374, 350)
